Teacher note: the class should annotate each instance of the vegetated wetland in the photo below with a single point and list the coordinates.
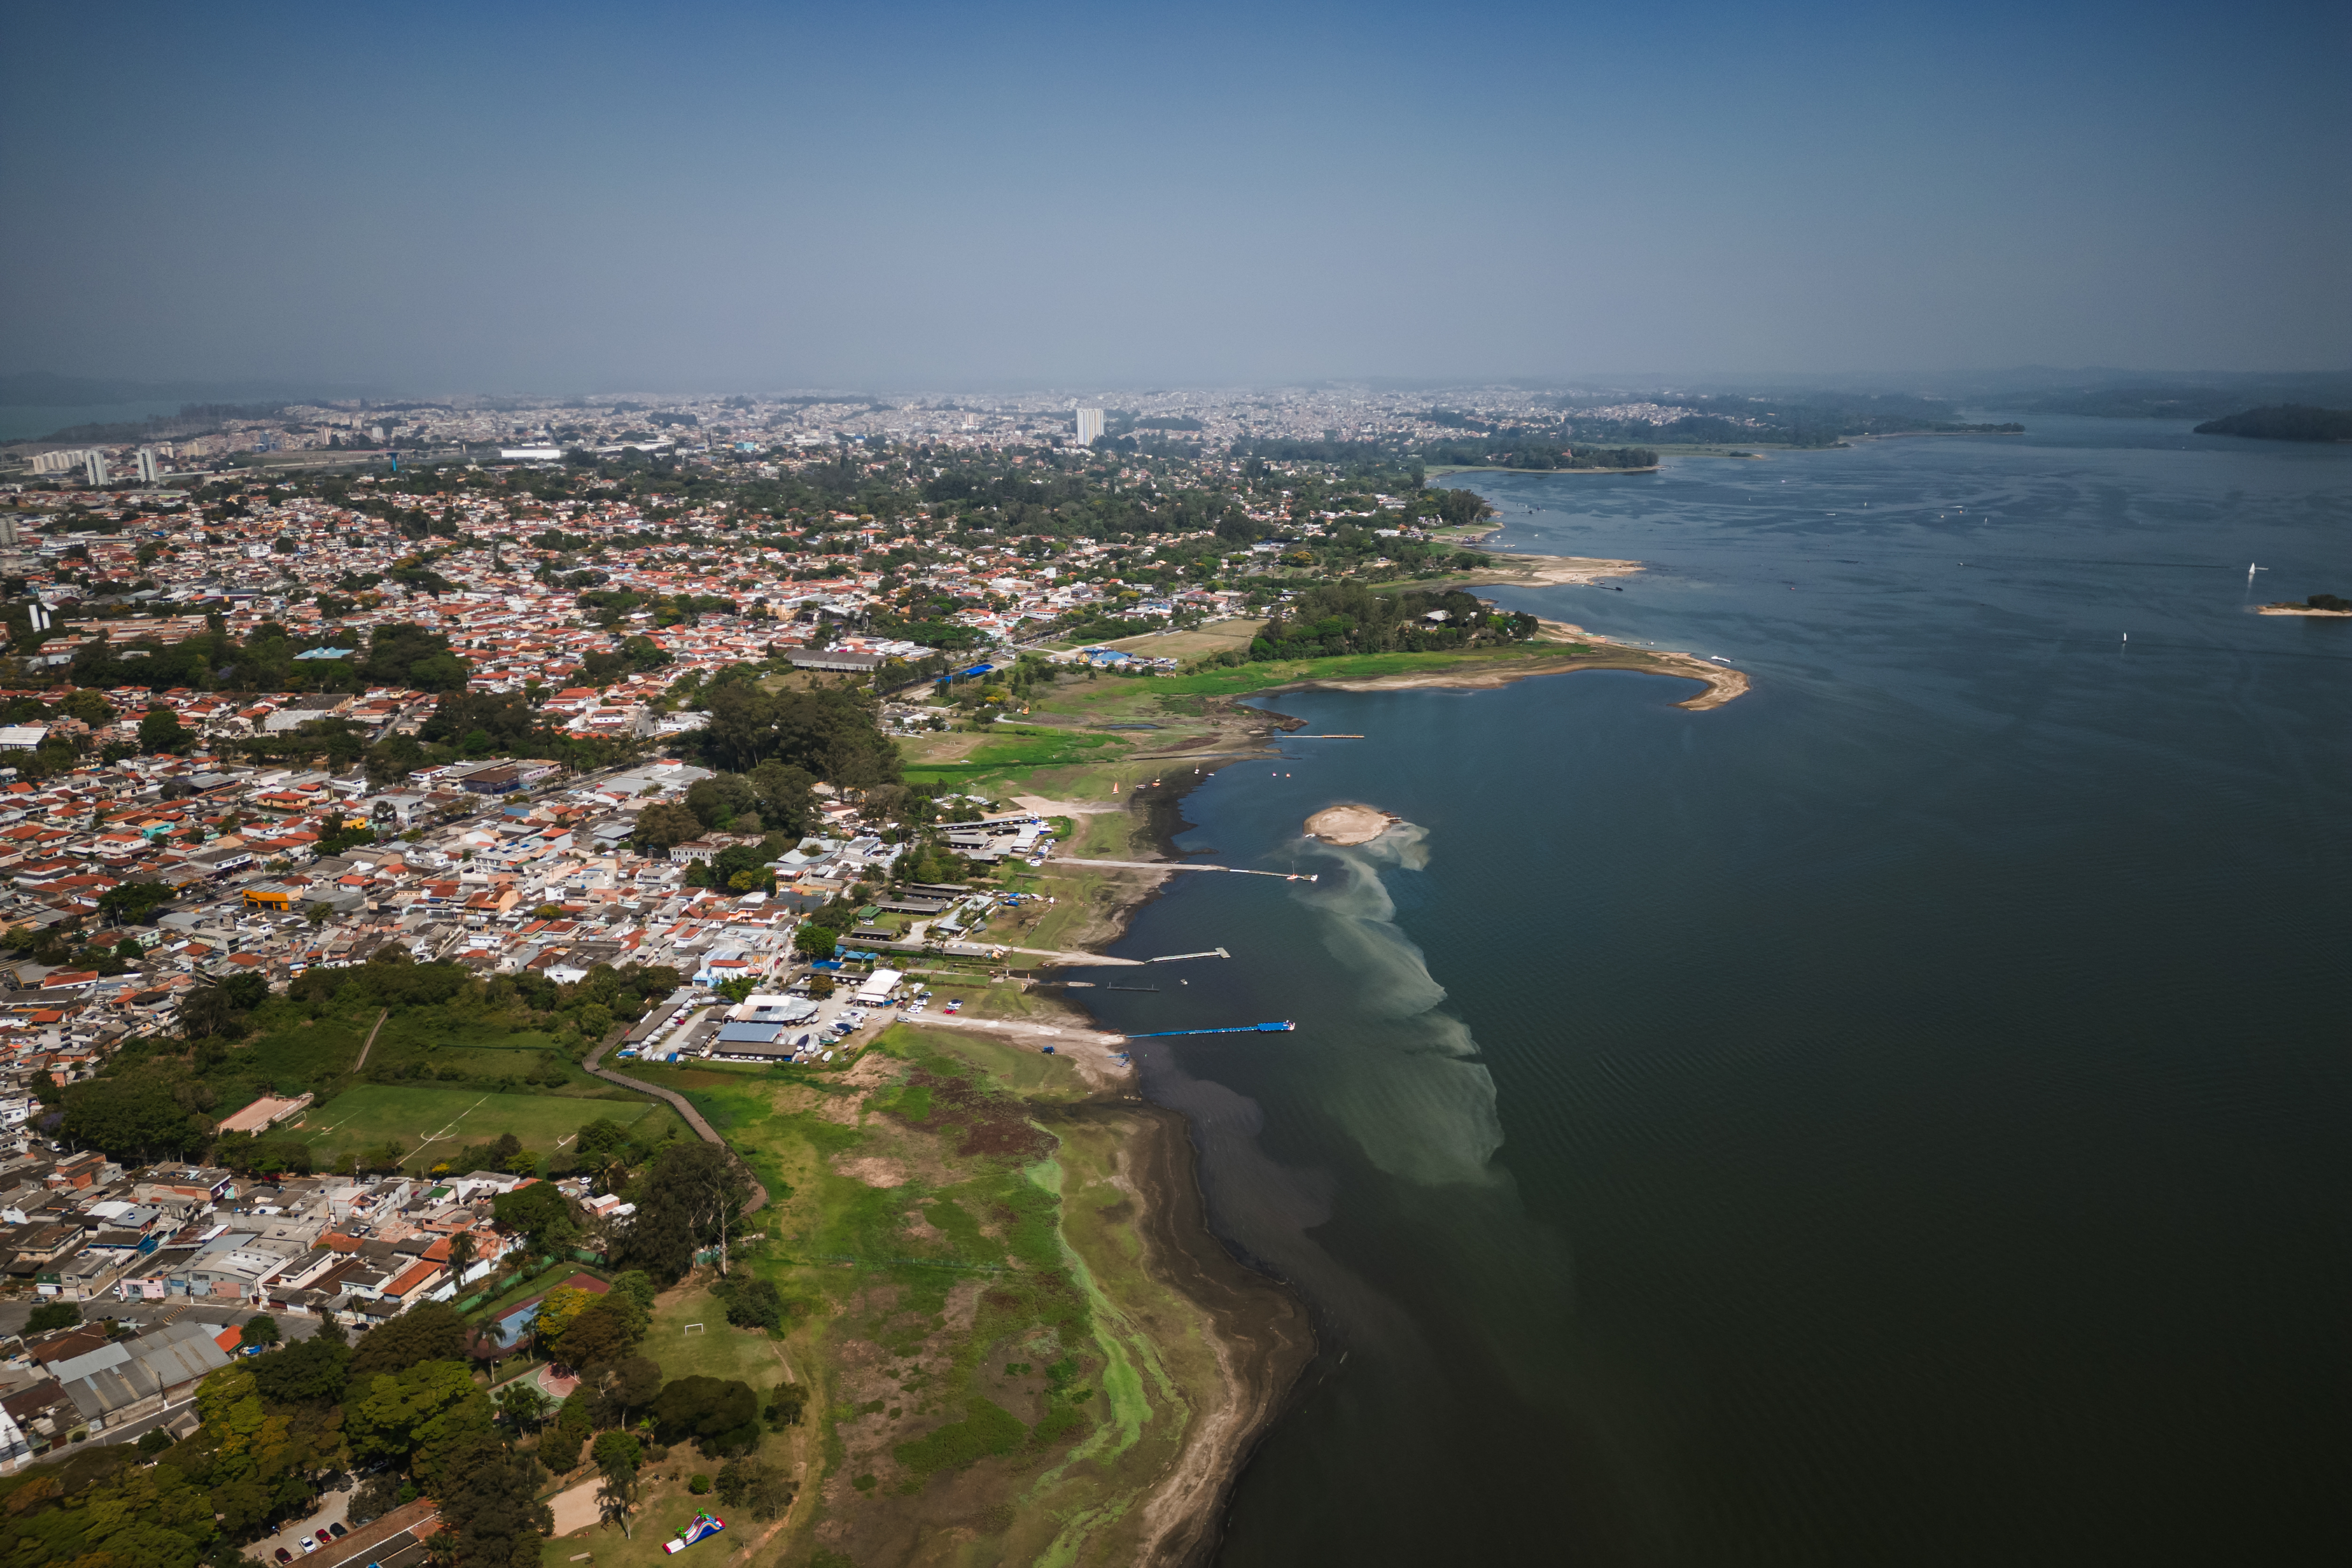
(1019, 1336)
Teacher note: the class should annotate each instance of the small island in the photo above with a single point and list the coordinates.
(2283, 422)
(1351, 823)
(2317, 605)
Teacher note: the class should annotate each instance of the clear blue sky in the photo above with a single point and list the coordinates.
(511, 196)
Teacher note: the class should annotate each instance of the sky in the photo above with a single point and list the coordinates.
(518, 198)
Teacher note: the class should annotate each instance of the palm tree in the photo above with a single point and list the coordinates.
(614, 1497)
(461, 1255)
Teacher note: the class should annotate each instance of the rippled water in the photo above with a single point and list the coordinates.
(1900, 1117)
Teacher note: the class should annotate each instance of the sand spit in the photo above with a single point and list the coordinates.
(1723, 683)
(1351, 823)
(2304, 610)
(1546, 570)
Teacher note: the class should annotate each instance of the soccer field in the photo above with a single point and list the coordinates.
(434, 1123)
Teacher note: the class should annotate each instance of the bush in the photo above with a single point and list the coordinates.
(698, 1485)
(752, 1303)
(748, 1483)
(989, 1429)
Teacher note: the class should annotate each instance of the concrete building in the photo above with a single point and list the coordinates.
(149, 470)
(1090, 425)
(93, 465)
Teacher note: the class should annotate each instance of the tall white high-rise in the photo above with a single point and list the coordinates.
(1090, 425)
(93, 465)
(149, 470)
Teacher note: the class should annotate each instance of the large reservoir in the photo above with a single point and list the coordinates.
(1898, 1116)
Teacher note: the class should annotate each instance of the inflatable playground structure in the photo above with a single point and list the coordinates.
(704, 1526)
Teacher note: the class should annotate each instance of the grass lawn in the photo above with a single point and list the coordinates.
(1009, 749)
(443, 1120)
(716, 1350)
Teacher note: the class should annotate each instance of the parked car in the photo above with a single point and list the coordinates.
(309, 1544)
(284, 1556)
(337, 1529)
(325, 1540)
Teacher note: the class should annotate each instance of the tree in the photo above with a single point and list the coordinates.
(614, 1498)
(722, 1415)
(130, 903)
(432, 1406)
(606, 1332)
(539, 1213)
(814, 941)
(51, 1315)
(430, 1331)
(662, 826)
(210, 1012)
(260, 1328)
(161, 730)
(554, 1318)
(522, 1403)
(616, 1451)
(461, 1255)
(141, 1109)
(753, 1303)
(633, 1382)
(375, 1497)
(692, 1200)
(491, 1517)
(310, 1372)
(717, 800)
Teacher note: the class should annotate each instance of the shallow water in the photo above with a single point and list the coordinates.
(1897, 1117)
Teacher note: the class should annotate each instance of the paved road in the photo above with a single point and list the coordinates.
(293, 1325)
(702, 1129)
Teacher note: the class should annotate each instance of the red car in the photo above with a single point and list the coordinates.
(285, 1557)
(325, 1540)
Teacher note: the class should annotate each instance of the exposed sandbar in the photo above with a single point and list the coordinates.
(1351, 823)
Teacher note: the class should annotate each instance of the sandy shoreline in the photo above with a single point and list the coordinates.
(1722, 681)
(2304, 610)
(1549, 571)
(1262, 1332)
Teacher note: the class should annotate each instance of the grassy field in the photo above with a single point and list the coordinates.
(296, 1053)
(1214, 638)
(428, 1121)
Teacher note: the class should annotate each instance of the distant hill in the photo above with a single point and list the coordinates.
(2285, 422)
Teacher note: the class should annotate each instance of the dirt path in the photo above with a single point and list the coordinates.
(369, 1046)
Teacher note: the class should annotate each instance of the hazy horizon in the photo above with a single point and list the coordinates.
(593, 200)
